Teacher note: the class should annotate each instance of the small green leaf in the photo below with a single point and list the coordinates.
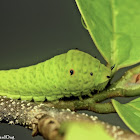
(129, 83)
(85, 131)
(114, 26)
(129, 113)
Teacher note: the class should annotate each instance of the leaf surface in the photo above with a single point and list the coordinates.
(129, 113)
(114, 26)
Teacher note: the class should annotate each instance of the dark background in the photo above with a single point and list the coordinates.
(32, 31)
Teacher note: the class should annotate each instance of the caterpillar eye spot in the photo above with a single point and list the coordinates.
(91, 73)
(108, 76)
(71, 72)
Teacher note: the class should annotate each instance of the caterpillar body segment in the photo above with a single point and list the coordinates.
(74, 73)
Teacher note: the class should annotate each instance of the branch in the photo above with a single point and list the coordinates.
(47, 121)
(91, 103)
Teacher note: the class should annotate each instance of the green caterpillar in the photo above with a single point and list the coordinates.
(74, 73)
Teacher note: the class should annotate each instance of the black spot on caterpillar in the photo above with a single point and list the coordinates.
(71, 72)
(113, 67)
(64, 75)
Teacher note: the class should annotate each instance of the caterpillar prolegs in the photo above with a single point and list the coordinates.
(74, 73)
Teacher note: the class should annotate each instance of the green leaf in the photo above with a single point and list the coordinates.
(84, 131)
(129, 113)
(114, 26)
(129, 83)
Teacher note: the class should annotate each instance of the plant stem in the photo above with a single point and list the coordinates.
(91, 104)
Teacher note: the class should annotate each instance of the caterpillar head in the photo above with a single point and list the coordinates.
(84, 73)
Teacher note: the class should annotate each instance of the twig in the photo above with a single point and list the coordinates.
(91, 103)
(46, 121)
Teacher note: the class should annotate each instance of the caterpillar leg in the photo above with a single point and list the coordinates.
(16, 95)
(13, 96)
(52, 98)
(36, 98)
(9, 95)
(27, 98)
(39, 98)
